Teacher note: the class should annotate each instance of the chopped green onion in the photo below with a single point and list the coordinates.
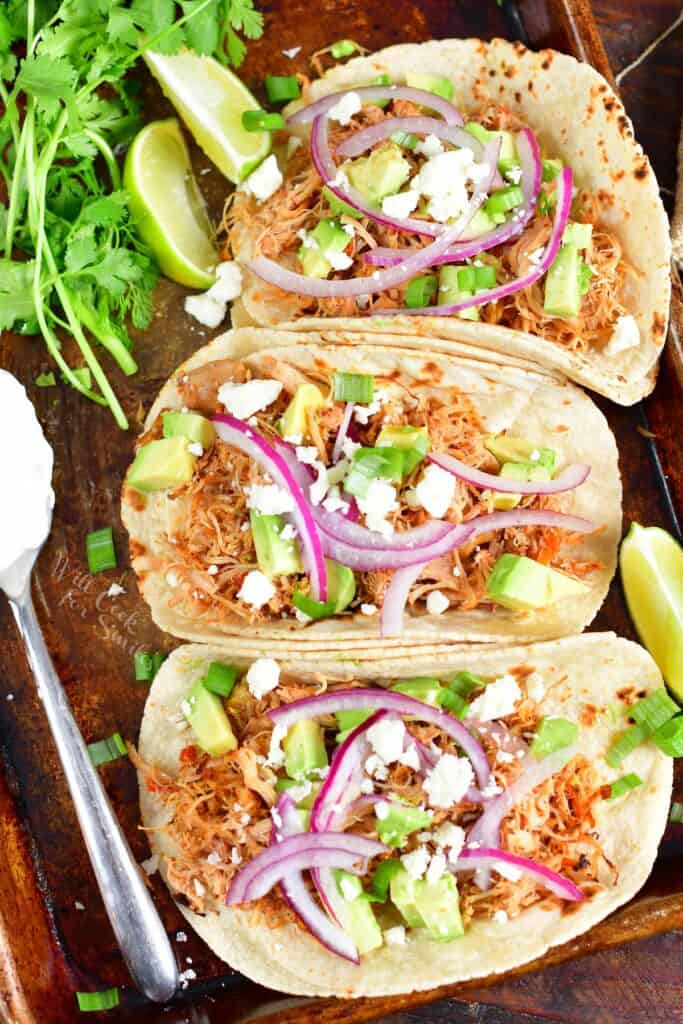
(383, 79)
(507, 164)
(144, 666)
(158, 658)
(354, 387)
(381, 879)
(281, 88)
(45, 380)
(454, 703)
(624, 785)
(551, 169)
(99, 546)
(547, 201)
(314, 609)
(676, 814)
(406, 140)
(669, 737)
(373, 464)
(625, 744)
(343, 48)
(107, 750)
(654, 710)
(474, 279)
(261, 121)
(464, 683)
(220, 678)
(553, 734)
(284, 783)
(107, 999)
(421, 291)
(503, 200)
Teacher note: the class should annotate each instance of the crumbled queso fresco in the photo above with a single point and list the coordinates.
(256, 589)
(262, 677)
(497, 701)
(243, 400)
(264, 181)
(448, 781)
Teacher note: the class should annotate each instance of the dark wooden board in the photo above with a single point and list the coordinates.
(48, 946)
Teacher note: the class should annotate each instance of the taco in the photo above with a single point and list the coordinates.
(499, 195)
(324, 495)
(382, 828)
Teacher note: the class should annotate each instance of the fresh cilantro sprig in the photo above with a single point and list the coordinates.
(72, 258)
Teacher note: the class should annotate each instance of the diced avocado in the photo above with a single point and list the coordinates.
(341, 585)
(412, 441)
(205, 713)
(400, 822)
(521, 584)
(304, 818)
(327, 236)
(562, 293)
(347, 721)
(517, 449)
(518, 471)
(437, 84)
(508, 151)
(577, 234)
(421, 688)
(190, 425)
(161, 464)
(450, 293)
(338, 206)
(380, 174)
(304, 747)
(283, 784)
(402, 893)
(480, 224)
(294, 422)
(356, 915)
(275, 556)
(438, 904)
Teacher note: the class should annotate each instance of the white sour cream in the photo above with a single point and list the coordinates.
(26, 495)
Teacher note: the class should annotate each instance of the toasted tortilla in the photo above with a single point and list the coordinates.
(577, 117)
(525, 401)
(582, 676)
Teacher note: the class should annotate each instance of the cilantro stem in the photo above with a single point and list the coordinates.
(108, 155)
(15, 195)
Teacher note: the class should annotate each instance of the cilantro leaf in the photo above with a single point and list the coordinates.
(244, 18)
(202, 30)
(16, 296)
(48, 81)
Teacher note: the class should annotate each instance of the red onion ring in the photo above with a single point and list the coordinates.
(473, 860)
(363, 699)
(564, 200)
(298, 853)
(237, 434)
(396, 598)
(570, 478)
(530, 183)
(368, 93)
(297, 896)
(338, 449)
(374, 133)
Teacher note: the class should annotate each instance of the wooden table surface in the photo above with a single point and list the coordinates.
(641, 983)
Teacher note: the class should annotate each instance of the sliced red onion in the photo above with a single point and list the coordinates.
(290, 281)
(237, 434)
(367, 559)
(368, 137)
(329, 172)
(370, 93)
(342, 433)
(564, 200)
(530, 183)
(396, 598)
(472, 860)
(572, 477)
(297, 896)
(298, 853)
(530, 517)
(502, 737)
(363, 699)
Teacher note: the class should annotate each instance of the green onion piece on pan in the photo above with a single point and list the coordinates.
(107, 999)
(107, 750)
(654, 710)
(343, 48)
(99, 546)
(261, 121)
(676, 814)
(625, 744)
(624, 785)
(354, 387)
(406, 140)
(281, 88)
(220, 678)
(669, 737)
(553, 734)
(421, 291)
(143, 662)
(45, 380)
(158, 658)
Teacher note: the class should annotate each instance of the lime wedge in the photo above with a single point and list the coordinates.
(651, 563)
(168, 206)
(211, 101)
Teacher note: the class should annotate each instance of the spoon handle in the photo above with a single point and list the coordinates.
(136, 923)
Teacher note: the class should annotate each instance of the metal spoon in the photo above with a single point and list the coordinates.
(136, 923)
